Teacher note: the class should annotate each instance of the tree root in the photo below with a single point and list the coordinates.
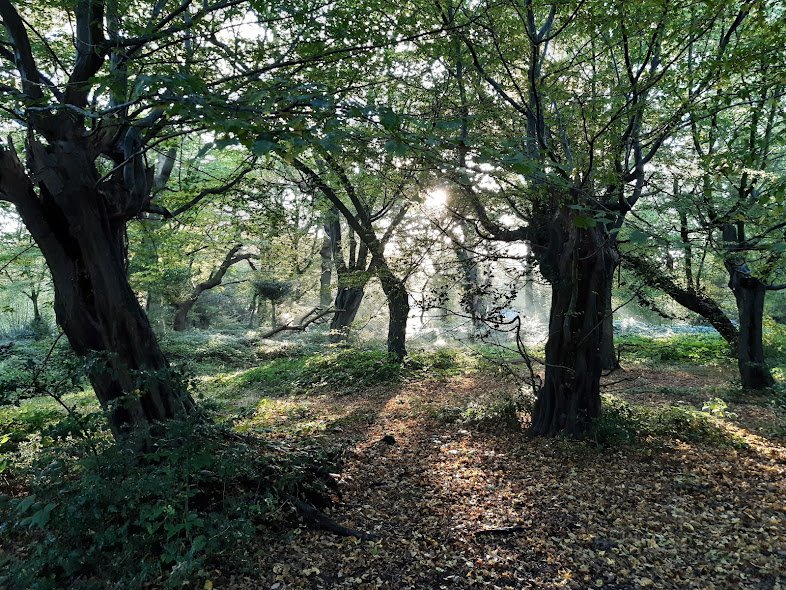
(321, 521)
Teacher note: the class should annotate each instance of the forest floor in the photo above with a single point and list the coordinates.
(464, 499)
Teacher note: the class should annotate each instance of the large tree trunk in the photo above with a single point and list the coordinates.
(398, 312)
(580, 266)
(749, 293)
(83, 242)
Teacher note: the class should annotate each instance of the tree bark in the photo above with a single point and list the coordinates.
(84, 246)
(749, 292)
(398, 312)
(579, 265)
(348, 300)
(608, 354)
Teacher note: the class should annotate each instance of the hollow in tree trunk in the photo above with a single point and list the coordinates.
(579, 265)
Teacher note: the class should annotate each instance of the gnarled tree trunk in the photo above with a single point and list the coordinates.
(398, 312)
(348, 300)
(579, 265)
(82, 238)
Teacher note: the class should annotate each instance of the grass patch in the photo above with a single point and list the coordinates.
(691, 349)
(208, 351)
(349, 370)
(37, 414)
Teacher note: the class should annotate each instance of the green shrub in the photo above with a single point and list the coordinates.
(350, 370)
(622, 423)
(197, 348)
(119, 519)
(489, 414)
(21, 360)
(440, 364)
(701, 349)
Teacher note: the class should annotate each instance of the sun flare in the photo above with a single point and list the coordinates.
(436, 199)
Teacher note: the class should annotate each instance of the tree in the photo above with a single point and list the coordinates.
(597, 90)
(128, 83)
(214, 280)
(364, 202)
(25, 272)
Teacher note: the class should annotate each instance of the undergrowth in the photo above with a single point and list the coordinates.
(624, 423)
(120, 519)
(350, 370)
(692, 349)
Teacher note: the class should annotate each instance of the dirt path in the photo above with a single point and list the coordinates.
(570, 515)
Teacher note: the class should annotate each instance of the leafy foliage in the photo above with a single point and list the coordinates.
(623, 423)
(161, 516)
(701, 349)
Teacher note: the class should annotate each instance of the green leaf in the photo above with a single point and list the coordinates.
(638, 237)
(263, 147)
(389, 119)
(584, 221)
(25, 504)
(396, 147)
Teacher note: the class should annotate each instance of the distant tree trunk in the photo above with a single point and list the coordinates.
(273, 315)
(182, 308)
(608, 354)
(326, 255)
(398, 312)
(348, 300)
(749, 293)
(472, 297)
(352, 279)
(579, 265)
(252, 310)
(33, 296)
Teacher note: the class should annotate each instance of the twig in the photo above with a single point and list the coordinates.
(506, 530)
(303, 323)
